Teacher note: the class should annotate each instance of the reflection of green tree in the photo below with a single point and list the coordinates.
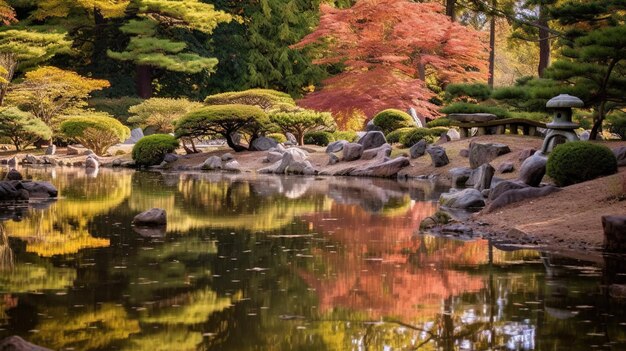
(28, 277)
(397, 206)
(88, 330)
(195, 307)
(177, 338)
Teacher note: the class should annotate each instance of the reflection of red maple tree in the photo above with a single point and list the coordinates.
(389, 48)
(370, 270)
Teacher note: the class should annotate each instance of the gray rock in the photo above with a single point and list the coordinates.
(386, 169)
(371, 127)
(273, 156)
(584, 135)
(418, 149)
(262, 144)
(372, 140)
(9, 192)
(524, 154)
(12, 161)
(460, 175)
(88, 152)
(13, 174)
(152, 218)
(118, 162)
(532, 170)
(620, 155)
(293, 161)
(484, 153)
(30, 159)
(15, 343)
(51, 150)
(332, 159)
(169, 158)
(482, 176)
(438, 156)
(227, 157)
(135, 135)
(416, 118)
(466, 198)
(291, 138)
(379, 152)
(211, 163)
(72, 150)
(336, 146)
(232, 166)
(453, 134)
(506, 167)
(505, 186)
(91, 162)
(443, 138)
(516, 195)
(352, 151)
(614, 233)
(464, 153)
(40, 189)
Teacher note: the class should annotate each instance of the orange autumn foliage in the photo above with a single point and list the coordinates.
(390, 48)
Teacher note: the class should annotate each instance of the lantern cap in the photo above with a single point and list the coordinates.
(564, 100)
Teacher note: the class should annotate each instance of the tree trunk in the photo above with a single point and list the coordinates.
(301, 139)
(231, 143)
(451, 9)
(9, 62)
(144, 81)
(544, 40)
(597, 124)
(492, 44)
(421, 71)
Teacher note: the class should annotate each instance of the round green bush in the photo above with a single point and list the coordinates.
(392, 119)
(394, 137)
(437, 131)
(347, 135)
(579, 161)
(439, 122)
(279, 137)
(318, 138)
(151, 150)
(411, 138)
(95, 130)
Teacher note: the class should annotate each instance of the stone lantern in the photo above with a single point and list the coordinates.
(561, 125)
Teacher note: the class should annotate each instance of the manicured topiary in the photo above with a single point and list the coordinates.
(279, 137)
(301, 121)
(411, 138)
(396, 135)
(464, 107)
(392, 119)
(579, 161)
(319, 138)
(96, 131)
(439, 122)
(437, 131)
(347, 135)
(151, 150)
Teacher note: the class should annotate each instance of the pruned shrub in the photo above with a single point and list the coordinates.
(437, 131)
(412, 137)
(464, 107)
(476, 91)
(266, 99)
(301, 121)
(151, 150)
(279, 137)
(579, 161)
(396, 135)
(22, 128)
(96, 131)
(392, 119)
(160, 114)
(318, 138)
(347, 135)
(439, 122)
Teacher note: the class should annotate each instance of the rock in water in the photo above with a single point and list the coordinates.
(418, 149)
(152, 218)
(169, 158)
(352, 151)
(9, 192)
(39, 189)
(372, 140)
(438, 156)
(614, 233)
(51, 150)
(532, 170)
(12, 161)
(211, 163)
(15, 343)
(135, 135)
(14, 175)
(484, 153)
(232, 166)
(262, 144)
(335, 146)
(91, 162)
(466, 198)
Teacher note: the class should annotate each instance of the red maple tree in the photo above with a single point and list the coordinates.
(391, 49)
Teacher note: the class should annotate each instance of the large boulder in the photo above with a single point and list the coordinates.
(379, 152)
(273, 156)
(466, 198)
(262, 144)
(505, 186)
(620, 155)
(91, 162)
(517, 195)
(9, 192)
(438, 156)
(291, 139)
(335, 146)
(372, 140)
(13, 174)
(332, 159)
(232, 166)
(532, 170)
(482, 176)
(460, 175)
(418, 149)
(15, 343)
(135, 135)
(614, 233)
(506, 167)
(39, 189)
(293, 161)
(51, 150)
(30, 159)
(212, 163)
(352, 151)
(152, 218)
(480, 153)
(386, 169)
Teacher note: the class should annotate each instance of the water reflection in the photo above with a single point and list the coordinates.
(280, 263)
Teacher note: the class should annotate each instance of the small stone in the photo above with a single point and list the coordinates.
(152, 217)
(15, 343)
(460, 175)
(620, 155)
(464, 153)
(13, 174)
(273, 156)
(453, 134)
(72, 150)
(51, 150)
(262, 144)
(88, 152)
(526, 153)
(12, 161)
(169, 158)
(232, 166)
(212, 163)
(482, 176)
(117, 162)
(506, 167)
(418, 149)
(332, 159)
(91, 162)
(227, 157)
(438, 156)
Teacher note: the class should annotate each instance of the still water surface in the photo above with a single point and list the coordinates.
(278, 263)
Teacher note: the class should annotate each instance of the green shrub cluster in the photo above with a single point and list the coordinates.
(464, 107)
(151, 150)
(347, 135)
(117, 107)
(412, 137)
(392, 119)
(476, 91)
(437, 131)
(579, 161)
(264, 98)
(617, 124)
(319, 138)
(96, 131)
(439, 122)
(279, 137)
(396, 135)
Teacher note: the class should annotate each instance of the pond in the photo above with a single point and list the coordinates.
(281, 263)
